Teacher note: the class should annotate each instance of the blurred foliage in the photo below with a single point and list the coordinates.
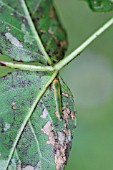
(90, 78)
(101, 5)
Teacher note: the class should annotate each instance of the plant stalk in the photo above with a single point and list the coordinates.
(75, 53)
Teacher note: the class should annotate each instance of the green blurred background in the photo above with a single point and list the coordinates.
(90, 78)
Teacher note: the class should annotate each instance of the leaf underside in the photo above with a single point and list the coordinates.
(101, 5)
(31, 31)
(13, 21)
(45, 141)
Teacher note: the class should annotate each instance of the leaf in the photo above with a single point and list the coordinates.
(52, 34)
(101, 5)
(31, 135)
(45, 141)
(19, 36)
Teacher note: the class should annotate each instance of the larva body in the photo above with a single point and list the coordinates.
(57, 95)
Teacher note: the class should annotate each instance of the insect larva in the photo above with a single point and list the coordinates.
(57, 95)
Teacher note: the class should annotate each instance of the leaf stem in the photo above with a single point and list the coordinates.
(40, 94)
(75, 53)
(27, 67)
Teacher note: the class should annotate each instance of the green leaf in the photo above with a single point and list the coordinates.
(44, 141)
(31, 135)
(22, 23)
(101, 5)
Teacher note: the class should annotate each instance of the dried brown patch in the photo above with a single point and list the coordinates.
(47, 128)
(29, 167)
(52, 13)
(14, 105)
(63, 43)
(60, 140)
(65, 94)
(72, 115)
(44, 114)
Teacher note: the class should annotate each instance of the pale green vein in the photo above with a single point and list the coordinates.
(40, 154)
(17, 156)
(36, 8)
(28, 117)
(26, 67)
(34, 31)
(9, 7)
(38, 145)
(48, 112)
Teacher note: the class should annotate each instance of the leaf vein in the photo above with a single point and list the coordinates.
(40, 94)
(35, 32)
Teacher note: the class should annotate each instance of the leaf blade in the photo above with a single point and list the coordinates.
(20, 26)
(31, 136)
(46, 139)
(35, 32)
(22, 83)
(23, 42)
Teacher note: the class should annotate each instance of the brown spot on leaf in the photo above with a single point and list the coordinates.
(50, 31)
(42, 31)
(14, 105)
(52, 138)
(57, 115)
(72, 115)
(44, 114)
(2, 64)
(8, 28)
(13, 40)
(63, 43)
(24, 20)
(65, 94)
(60, 140)
(29, 167)
(66, 113)
(19, 167)
(47, 128)
(52, 13)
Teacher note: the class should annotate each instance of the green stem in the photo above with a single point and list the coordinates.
(28, 117)
(75, 53)
(27, 67)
